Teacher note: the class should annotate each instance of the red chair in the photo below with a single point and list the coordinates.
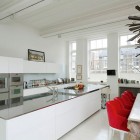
(116, 121)
(130, 94)
(121, 109)
(128, 98)
(123, 103)
(126, 101)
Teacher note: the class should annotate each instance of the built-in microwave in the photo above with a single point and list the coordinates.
(16, 79)
(4, 83)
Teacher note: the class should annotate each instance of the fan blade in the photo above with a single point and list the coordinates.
(131, 39)
(134, 18)
(137, 7)
(138, 41)
(131, 25)
(137, 55)
(134, 28)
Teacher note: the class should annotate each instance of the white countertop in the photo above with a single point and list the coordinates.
(135, 112)
(130, 85)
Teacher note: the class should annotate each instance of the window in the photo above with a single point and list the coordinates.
(129, 63)
(124, 42)
(73, 59)
(97, 60)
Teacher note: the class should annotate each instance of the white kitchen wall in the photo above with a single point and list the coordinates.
(17, 38)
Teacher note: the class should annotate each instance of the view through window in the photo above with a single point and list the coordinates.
(73, 59)
(129, 63)
(97, 60)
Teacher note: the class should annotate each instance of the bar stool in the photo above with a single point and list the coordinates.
(116, 121)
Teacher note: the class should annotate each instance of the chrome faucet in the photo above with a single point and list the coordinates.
(54, 91)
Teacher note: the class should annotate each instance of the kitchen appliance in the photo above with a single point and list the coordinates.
(111, 72)
(4, 91)
(16, 79)
(4, 83)
(16, 89)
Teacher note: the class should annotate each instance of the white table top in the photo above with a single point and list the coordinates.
(135, 112)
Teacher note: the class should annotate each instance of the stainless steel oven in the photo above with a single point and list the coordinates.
(4, 102)
(16, 101)
(16, 95)
(16, 91)
(16, 79)
(4, 83)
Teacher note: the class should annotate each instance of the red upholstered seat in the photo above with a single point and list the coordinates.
(130, 94)
(115, 119)
(123, 103)
(126, 101)
(121, 108)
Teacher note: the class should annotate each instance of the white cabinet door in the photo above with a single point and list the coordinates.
(15, 65)
(71, 113)
(38, 125)
(4, 65)
(52, 68)
(65, 117)
(34, 67)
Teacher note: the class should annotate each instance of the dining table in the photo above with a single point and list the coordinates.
(134, 120)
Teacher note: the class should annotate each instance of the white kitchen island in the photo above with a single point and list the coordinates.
(44, 119)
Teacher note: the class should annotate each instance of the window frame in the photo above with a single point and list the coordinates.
(95, 49)
(70, 58)
(125, 46)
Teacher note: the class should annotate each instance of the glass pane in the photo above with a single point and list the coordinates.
(104, 43)
(17, 91)
(98, 61)
(73, 46)
(123, 40)
(2, 82)
(15, 79)
(74, 54)
(93, 44)
(128, 62)
(99, 43)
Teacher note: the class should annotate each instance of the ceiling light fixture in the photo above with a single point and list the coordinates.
(135, 28)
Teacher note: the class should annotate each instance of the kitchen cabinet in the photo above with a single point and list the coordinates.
(40, 67)
(37, 125)
(52, 68)
(34, 67)
(71, 113)
(4, 68)
(15, 65)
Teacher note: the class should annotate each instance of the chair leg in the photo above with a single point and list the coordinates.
(109, 133)
(121, 136)
(113, 131)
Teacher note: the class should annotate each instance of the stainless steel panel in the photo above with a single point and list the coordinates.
(16, 91)
(16, 79)
(16, 101)
(4, 83)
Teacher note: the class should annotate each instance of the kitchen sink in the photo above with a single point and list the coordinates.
(31, 97)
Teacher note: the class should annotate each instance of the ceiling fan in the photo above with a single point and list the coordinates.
(135, 28)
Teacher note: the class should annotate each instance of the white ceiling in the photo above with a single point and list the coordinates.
(55, 16)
